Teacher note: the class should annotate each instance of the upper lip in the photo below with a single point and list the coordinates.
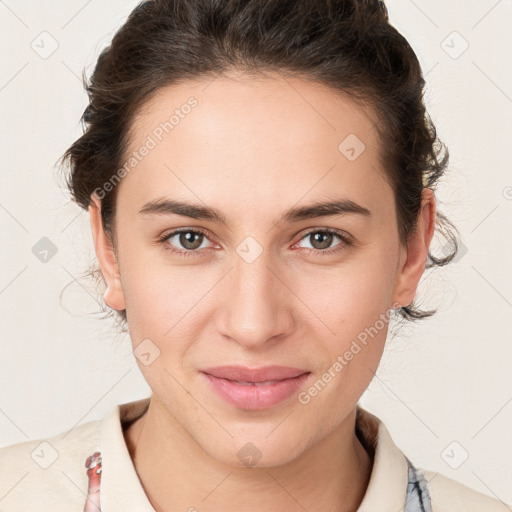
(244, 374)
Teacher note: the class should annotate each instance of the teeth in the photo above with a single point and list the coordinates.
(264, 383)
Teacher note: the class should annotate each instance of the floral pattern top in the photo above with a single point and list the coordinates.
(93, 465)
(417, 497)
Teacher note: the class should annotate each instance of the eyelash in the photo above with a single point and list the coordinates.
(345, 239)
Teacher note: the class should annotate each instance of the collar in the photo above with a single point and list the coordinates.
(387, 488)
(121, 488)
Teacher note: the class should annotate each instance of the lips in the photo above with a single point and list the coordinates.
(254, 376)
(255, 388)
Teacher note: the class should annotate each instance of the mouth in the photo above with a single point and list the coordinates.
(264, 383)
(261, 375)
(256, 394)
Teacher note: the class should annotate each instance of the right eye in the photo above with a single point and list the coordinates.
(190, 239)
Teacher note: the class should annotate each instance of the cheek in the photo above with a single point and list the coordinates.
(160, 313)
(165, 304)
(350, 336)
(352, 306)
(353, 293)
(155, 288)
(357, 315)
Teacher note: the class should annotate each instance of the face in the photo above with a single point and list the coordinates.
(261, 287)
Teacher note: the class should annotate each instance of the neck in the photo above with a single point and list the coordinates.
(176, 474)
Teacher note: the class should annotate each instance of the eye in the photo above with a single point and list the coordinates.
(190, 239)
(321, 240)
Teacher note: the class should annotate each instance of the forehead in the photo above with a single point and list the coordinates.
(252, 140)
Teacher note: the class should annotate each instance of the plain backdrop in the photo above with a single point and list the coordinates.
(444, 386)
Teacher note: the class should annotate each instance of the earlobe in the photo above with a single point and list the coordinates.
(113, 294)
(414, 255)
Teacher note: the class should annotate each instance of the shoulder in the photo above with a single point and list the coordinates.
(48, 471)
(449, 495)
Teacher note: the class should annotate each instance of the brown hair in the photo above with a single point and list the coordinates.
(348, 45)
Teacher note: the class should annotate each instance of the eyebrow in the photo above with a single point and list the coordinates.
(164, 206)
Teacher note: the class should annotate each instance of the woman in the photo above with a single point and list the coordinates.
(260, 181)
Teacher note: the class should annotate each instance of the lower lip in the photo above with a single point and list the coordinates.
(255, 397)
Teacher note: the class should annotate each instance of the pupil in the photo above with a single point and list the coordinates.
(188, 237)
(326, 236)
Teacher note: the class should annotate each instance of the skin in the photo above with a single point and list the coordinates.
(254, 148)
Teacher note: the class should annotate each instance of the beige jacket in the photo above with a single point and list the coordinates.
(51, 474)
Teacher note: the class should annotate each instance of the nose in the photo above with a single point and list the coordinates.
(258, 306)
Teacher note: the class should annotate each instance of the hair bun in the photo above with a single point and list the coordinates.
(381, 7)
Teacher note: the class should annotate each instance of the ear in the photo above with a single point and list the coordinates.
(414, 255)
(114, 296)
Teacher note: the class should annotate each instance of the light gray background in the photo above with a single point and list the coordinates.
(446, 380)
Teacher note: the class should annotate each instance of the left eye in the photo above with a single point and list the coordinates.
(322, 239)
